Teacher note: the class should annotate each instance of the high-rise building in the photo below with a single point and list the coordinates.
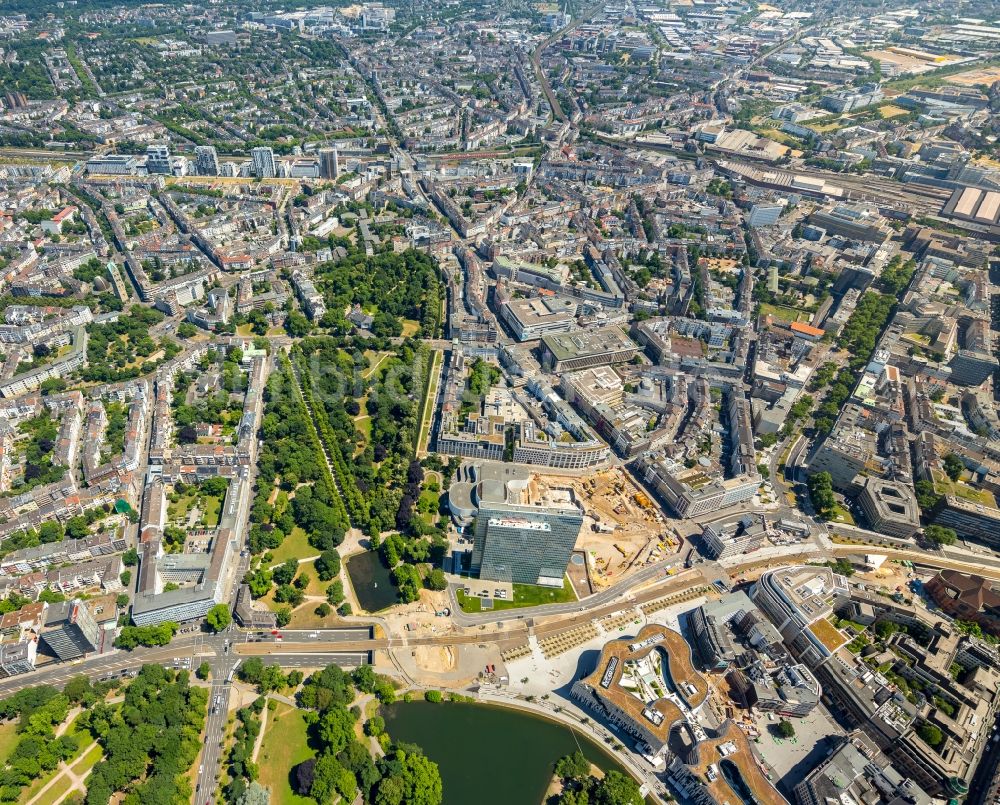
(516, 541)
(206, 160)
(70, 630)
(158, 159)
(329, 163)
(264, 164)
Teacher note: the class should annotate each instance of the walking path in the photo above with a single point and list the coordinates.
(77, 780)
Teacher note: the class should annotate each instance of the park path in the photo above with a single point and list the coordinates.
(67, 771)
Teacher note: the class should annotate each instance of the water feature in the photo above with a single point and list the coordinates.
(489, 755)
(372, 581)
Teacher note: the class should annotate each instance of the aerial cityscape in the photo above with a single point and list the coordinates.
(508, 403)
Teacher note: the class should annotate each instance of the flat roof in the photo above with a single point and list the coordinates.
(588, 342)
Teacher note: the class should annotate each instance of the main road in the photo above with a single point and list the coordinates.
(327, 646)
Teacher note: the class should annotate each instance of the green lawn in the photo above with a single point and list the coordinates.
(294, 546)
(427, 410)
(841, 515)
(8, 739)
(783, 313)
(209, 505)
(88, 761)
(176, 511)
(56, 792)
(210, 508)
(283, 748)
(525, 595)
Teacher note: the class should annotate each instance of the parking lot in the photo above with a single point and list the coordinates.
(488, 590)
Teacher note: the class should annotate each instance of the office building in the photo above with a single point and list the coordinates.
(519, 542)
(689, 491)
(568, 352)
(206, 160)
(972, 368)
(18, 657)
(764, 215)
(976, 519)
(329, 163)
(525, 547)
(855, 221)
(890, 507)
(959, 707)
(158, 159)
(112, 165)
(626, 685)
(846, 453)
(263, 163)
(533, 318)
(722, 769)
(799, 600)
(856, 771)
(745, 534)
(850, 99)
(70, 630)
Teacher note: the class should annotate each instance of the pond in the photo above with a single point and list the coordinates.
(489, 755)
(372, 581)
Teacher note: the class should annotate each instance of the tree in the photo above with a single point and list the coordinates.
(821, 494)
(970, 628)
(953, 466)
(375, 726)
(328, 565)
(940, 535)
(304, 774)
(930, 734)
(219, 617)
(130, 558)
(417, 781)
(255, 794)
(364, 678)
(335, 593)
(927, 497)
(785, 729)
(329, 779)
(575, 766)
(285, 573)
(336, 728)
(283, 616)
(323, 610)
(203, 671)
(50, 531)
(78, 689)
(436, 580)
(131, 636)
(433, 696)
(616, 789)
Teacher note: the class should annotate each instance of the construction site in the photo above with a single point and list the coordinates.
(623, 529)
